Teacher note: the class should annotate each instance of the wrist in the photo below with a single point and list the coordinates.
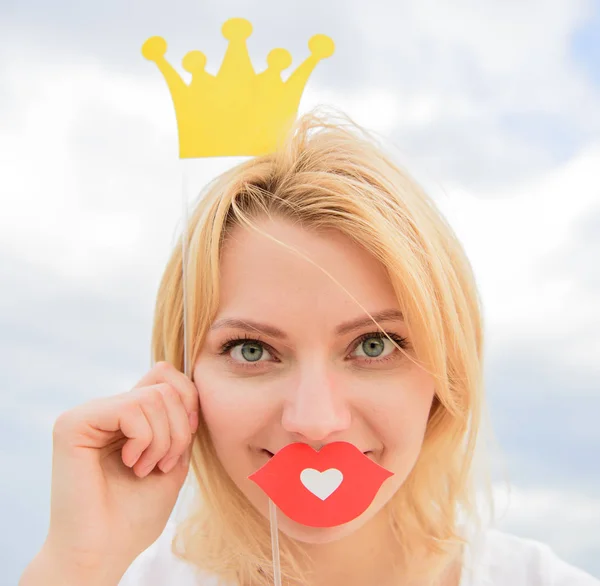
(53, 568)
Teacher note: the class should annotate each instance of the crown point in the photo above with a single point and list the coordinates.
(279, 59)
(321, 46)
(194, 61)
(154, 48)
(236, 29)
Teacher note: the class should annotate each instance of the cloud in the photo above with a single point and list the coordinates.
(579, 256)
(543, 416)
(504, 97)
(533, 263)
(543, 513)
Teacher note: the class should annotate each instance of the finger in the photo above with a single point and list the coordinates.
(179, 425)
(154, 408)
(93, 424)
(135, 426)
(165, 372)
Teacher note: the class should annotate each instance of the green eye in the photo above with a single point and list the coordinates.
(246, 350)
(373, 347)
(251, 351)
(377, 347)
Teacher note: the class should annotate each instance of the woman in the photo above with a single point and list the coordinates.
(328, 301)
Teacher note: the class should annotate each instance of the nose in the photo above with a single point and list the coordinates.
(316, 408)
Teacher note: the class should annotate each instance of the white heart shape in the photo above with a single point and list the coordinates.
(321, 484)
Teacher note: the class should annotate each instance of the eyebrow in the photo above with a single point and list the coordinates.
(344, 328)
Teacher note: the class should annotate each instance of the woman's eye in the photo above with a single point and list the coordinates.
(249, 352)
(374, 347)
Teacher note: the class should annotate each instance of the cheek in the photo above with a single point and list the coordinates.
(402, 413)
(234, 419)
(232, 414)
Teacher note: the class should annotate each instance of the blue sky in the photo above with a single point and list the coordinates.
(586, 43)
(492, 105)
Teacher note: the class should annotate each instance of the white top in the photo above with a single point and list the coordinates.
(500, 559)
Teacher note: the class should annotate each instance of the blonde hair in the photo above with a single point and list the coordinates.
(330, 173)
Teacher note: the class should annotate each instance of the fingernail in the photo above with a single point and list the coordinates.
(193, 418)
(168, 465)
(134, 459)
(147, 469)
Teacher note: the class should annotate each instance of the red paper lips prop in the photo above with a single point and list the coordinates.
(322, 488)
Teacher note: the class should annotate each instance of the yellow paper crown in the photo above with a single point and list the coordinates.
(237, 112)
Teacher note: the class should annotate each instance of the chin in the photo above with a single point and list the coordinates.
(321, 535)
(316, 535)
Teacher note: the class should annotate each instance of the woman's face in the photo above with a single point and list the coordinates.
(298, 371)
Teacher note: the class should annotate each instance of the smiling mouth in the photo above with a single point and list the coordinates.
(271, 454)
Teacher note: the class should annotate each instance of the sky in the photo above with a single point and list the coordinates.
(493, 106)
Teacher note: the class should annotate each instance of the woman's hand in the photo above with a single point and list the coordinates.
(118, 466)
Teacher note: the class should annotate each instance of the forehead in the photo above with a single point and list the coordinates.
(259, 273)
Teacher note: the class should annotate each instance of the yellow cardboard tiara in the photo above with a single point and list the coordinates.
(237, 112)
